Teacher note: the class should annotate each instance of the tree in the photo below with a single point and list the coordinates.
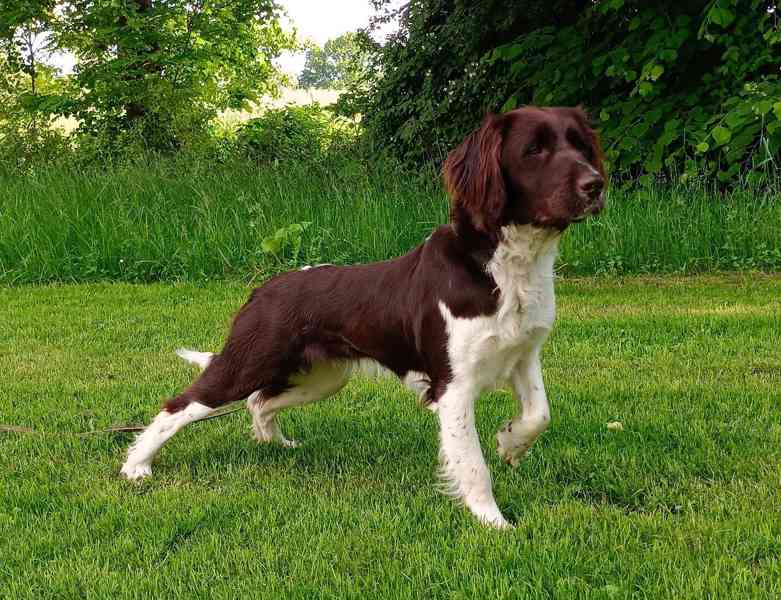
(30, 91)
(340, 63)
(164, 67)
(684, 86)
(156, 69)
(319, 70)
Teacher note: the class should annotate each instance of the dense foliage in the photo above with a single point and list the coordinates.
(688, 86)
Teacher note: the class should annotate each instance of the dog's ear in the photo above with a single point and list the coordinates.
(474, 180)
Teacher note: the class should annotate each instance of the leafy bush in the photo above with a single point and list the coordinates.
(340, 62)
(286, 243)
(28, 134)
(678, 89)
(299, 133)
(688, 87)
(26, 144)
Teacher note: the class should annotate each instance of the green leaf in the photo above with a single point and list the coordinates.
(777, 109)
(735, 120)
(721, 16)
(271, 245)
(763, 107)
(606, 7)
(604, 115)
(703, 147)
(645, 88)
(723, 176)
(509, 52)
(656, 72)
(646, 181)
(722, 135)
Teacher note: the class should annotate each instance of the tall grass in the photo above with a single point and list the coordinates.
(191, 222)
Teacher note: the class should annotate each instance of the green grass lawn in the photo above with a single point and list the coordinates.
(683, 503)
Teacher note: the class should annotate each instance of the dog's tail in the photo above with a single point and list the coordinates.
(202, 359)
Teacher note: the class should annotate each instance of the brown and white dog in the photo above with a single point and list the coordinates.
(466, 311)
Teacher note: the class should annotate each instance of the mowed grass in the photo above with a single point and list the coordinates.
(683, 503)
(188, 222)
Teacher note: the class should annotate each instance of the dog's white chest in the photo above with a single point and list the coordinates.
(485, 350)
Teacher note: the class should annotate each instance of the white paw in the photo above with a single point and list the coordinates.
(266, 438)
(508, 448)
(498, 523)
(492, 517)
(135, 472)
(484, 507)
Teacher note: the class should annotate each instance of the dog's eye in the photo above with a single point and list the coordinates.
(533, 148)
(581, 145)
(586, 150)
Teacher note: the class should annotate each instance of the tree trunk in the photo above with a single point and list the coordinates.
(135, 109)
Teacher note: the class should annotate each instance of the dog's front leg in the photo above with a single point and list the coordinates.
(517, 436)
(463, 466)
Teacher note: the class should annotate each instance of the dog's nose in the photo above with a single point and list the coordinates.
(591, 186)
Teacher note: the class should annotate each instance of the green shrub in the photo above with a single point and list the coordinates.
(307, 134)
(24, 145)
(289, 133)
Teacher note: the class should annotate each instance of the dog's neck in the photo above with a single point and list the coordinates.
(522, 267)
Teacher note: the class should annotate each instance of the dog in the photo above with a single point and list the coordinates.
(466, 311)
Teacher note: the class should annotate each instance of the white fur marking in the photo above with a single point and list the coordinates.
(518, 436)
(370, 368)
(419, 383)
(486, 351)
(202, 359)
(415, 381)
(322, 380)
(463, 467)
(147, 444)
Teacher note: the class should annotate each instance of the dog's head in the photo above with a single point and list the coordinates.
(541, 166)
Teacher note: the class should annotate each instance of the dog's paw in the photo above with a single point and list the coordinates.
(500, 523)
(508, 448)
(265, 438)
(136, 472)
(491, 516)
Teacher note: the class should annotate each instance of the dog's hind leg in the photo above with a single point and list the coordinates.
(322, 380)
(215, 387)
(159, 431)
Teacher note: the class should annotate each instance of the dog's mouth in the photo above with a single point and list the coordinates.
(590, 210)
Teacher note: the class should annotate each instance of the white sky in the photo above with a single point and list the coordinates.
(322, 20)
(319, 20)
